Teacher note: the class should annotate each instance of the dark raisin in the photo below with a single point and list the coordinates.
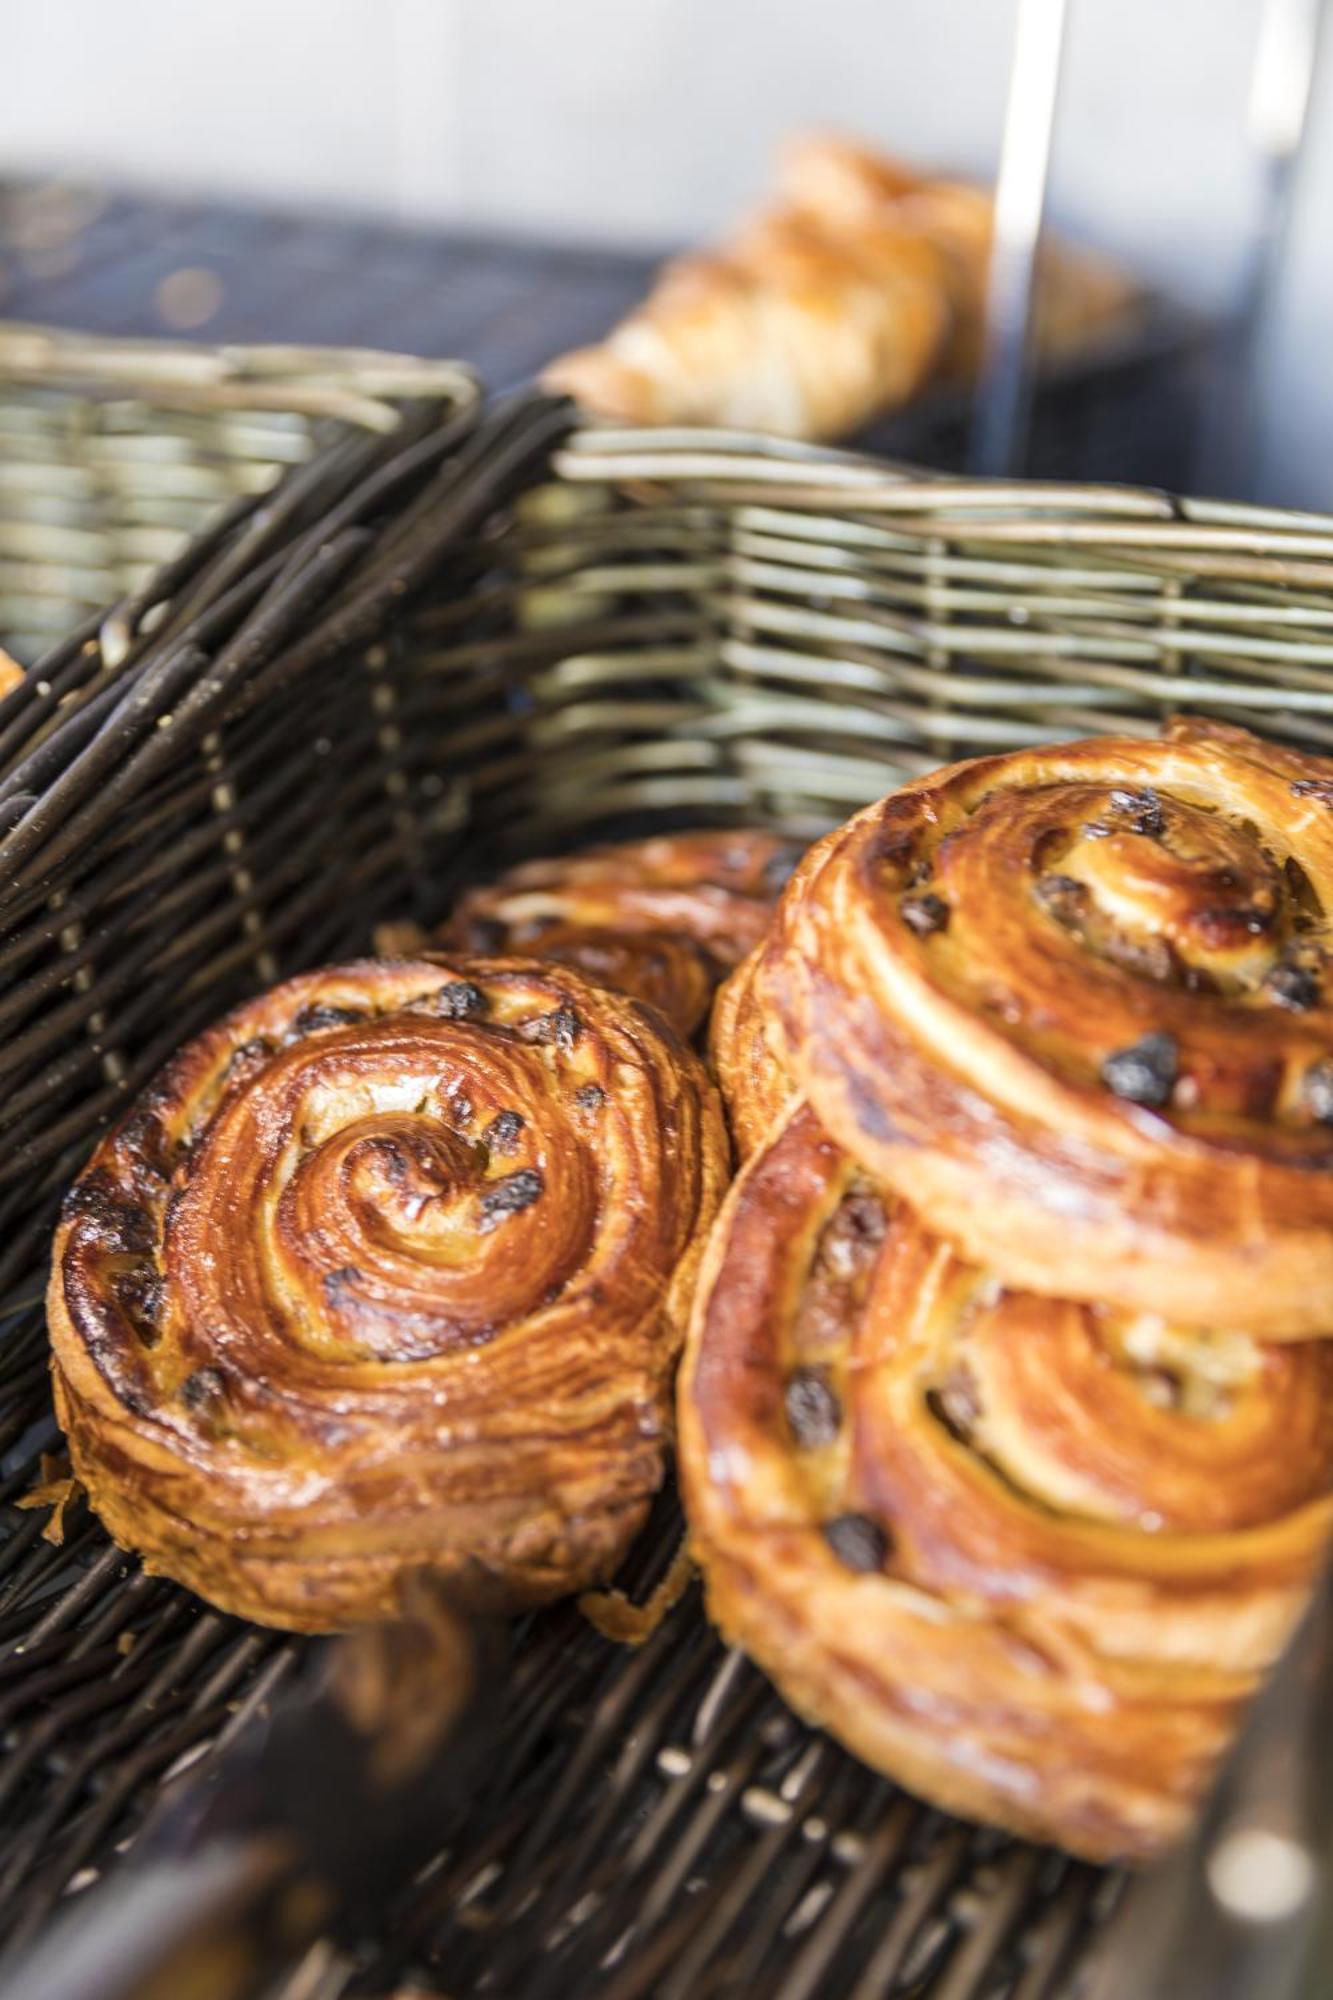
(1294, 986)
(501, 1135)
(956, 1403)
(1314, 788)
(924, 914)
(119, 1224)
(205, 1386)
(864, 1216)
(858, 1541)
(813, 1409)
(1317, 1089)
(338, 1283)
(1144, 1073)
(779, 868)
(508, 1196)
(311, 1019)
(140, 1294)
(589, 1096)
(460, 1001)
(1141, 812)
(561, 1028)
(144, 1137)
(1063, 896)
(461, 1108)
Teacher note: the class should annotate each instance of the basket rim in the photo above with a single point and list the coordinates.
(361, 386)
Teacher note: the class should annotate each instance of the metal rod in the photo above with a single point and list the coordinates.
(999, 431)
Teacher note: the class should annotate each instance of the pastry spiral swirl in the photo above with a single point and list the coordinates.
(1027, 1555)
(1076, 1005)
(663, 918)
(389, 1269)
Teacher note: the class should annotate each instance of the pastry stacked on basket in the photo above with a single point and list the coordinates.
(1006, 1422)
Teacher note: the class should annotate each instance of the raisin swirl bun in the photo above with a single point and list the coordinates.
(663, 918)
(1026, 1555)
(389, 1269)
(1075, 1003)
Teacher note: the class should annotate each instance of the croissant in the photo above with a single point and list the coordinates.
(840, 302)
(1076, 294)
(1074, 1004)
(388, 1270)
(662, 918)
(1028, 1556)
(796, 327)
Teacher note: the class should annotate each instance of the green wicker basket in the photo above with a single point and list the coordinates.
(113, 453)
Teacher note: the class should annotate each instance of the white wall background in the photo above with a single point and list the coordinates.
(654, 119)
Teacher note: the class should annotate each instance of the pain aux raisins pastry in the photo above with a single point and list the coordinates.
(664, 918)
(1027, 1555)
(998, 1445)
(1076, 1004)
(389, 1270)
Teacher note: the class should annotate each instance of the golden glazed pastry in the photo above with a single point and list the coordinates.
(797, 326)
(1076, 1005)
(848, 186)
(840, 302)
(1027, 1556)
(662, 918)
(388, 1270)
(751, 1076)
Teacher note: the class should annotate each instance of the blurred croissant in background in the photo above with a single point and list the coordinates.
(858, 286)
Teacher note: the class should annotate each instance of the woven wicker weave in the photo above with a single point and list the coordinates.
(114, 453)
(480, 632)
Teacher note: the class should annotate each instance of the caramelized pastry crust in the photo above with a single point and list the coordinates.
(1077, 1005)
(754, 1084)
(389, 1269)
(795, 326)
(1027, 1556)
(847, 186)
(840, 301)
(663, 918)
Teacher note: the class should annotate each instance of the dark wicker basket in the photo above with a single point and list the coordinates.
(484, 632)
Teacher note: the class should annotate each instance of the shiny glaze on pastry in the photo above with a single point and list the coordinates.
(795, 326)
(1025, 1555)
(750, 1073)
(662, 918)
(389, 1269)
(1077, 1005)
(1076, 294)
(837, 302)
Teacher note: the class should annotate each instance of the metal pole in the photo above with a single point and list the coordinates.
(999, 430)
